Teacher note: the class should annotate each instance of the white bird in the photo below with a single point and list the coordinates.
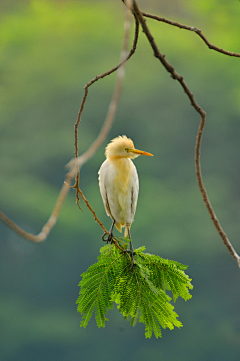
(119, 185)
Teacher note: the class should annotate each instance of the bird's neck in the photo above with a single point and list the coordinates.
(120, 163)
(123, 168)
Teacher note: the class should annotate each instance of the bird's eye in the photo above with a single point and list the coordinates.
(127, 150)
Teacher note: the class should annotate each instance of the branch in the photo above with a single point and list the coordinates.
(191, 28)
(96, 218)
(205, 196)
(202, 113)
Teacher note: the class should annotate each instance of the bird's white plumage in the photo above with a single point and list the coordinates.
(119, 188)
(118, 182)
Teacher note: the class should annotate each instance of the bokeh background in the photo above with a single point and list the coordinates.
(48, 51)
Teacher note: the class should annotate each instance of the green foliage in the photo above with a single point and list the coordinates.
(139, 291)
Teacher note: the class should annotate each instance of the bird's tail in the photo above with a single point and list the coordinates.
(127, 231)
(118, 226)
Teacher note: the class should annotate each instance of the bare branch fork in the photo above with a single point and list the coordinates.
(176, 76)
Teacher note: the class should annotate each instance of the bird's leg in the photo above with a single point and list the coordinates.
(132, 254)
(110, 234)
(131, 250)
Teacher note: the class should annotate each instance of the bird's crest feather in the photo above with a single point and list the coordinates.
(117, 147)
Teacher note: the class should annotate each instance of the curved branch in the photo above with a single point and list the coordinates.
(191, 28)
(205, 195)
(96, 218)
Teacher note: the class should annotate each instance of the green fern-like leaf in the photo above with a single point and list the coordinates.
(97, 285)
(139, 292)
(167, 274)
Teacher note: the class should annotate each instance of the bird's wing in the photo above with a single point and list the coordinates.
(103, 183)
(134, 191)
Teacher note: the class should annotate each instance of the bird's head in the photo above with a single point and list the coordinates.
(123, 147)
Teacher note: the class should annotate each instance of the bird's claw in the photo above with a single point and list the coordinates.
(109, 234)
(108, 239)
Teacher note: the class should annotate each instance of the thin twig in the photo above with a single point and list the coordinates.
(96, 218)
(206, 198)
(101, 76)
(79, 161)
(191, 28)
(202, 113)
(92, 211)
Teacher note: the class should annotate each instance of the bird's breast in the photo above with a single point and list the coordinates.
(123, 175)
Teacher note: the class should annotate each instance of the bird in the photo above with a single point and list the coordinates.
(119, 185)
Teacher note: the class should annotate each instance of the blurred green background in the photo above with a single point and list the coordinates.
(48, 51)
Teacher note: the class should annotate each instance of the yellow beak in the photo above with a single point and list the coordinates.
(140, 152)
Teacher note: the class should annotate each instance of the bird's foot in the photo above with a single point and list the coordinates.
(108, 237)
(132, 254)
